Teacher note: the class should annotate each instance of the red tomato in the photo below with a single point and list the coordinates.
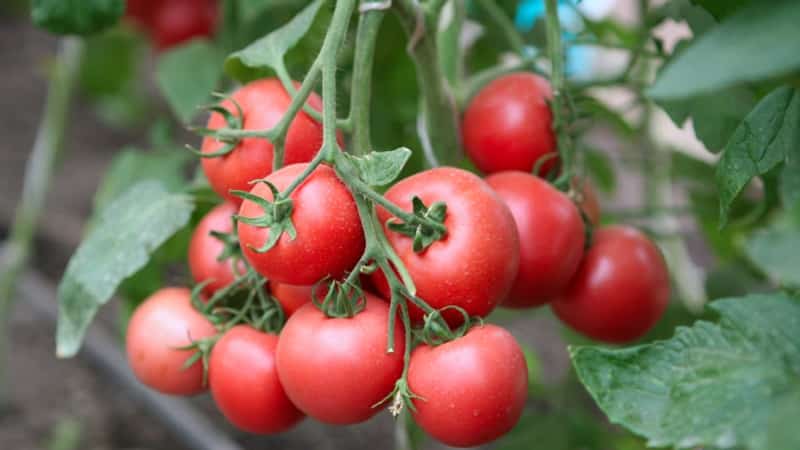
(140, 11)
(292, 297)
(589, 203)
(551, 237)
(508, 124)
(336, 369)
(158, 327)
(244, 382)
(621, 288)
(174, 22)
(475, 264)
(263, 103)
(473, 388)
(204, 249)
(329, 239)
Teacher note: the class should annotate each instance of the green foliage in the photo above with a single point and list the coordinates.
(381, 168)
(269, 51)
(721, 8)
(762, 141)
(774, 250)
(129, 230)
(751, 45)
(725, 384)
(80, 17)
(188, 74)
(601, 170)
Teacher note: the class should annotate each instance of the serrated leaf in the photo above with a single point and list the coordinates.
(774, 250)
(759, 144)
(381, 168)
(129, 231)
(751, 45)
(711, 384)
(268, 52)
(188, 74)
(80, 17)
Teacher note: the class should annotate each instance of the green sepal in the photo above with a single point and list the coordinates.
(424, 236)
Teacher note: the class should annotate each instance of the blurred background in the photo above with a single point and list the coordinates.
(91, 402)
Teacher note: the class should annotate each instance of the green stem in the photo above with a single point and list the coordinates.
(439, 134)
(558, 83)
(368, 26)
(510, 32)
(481, 79)
(38, 173)
(278, 133)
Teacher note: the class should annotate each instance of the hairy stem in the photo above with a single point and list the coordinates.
(368, 26)
(558, 82)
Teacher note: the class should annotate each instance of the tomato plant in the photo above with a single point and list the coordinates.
(450, 159)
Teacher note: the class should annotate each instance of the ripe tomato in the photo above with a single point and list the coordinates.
(177, 21)
(329, 239)
(508, 125)
(291, 297)
(473, 388)
(551, 237)
(589, 203)
(244, 382)
(158, 327)
(621, 288)
(475, 264)
(263, 103)
(336, 369)
(204, 249)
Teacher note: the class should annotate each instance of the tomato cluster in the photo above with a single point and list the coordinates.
(172, 22)
(511, 240)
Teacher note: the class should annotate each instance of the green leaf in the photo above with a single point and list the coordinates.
(129, 231)
(76, 16)
(268, 52)
(132, 166)
(759, 144)
(110, 62)
(601, 170)
(381, 168)
(712, 384)
(187, 75)
(790, 179)
(774, 252)
(721, 8)
(752, 45)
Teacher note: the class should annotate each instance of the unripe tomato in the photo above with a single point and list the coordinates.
(475, 264)
(329, 239)
(336, 369)
(551, 237)
(508, 125)
(174, 22)
(263, 103)
(158, 327)
(472, 389)
(621, 288)
(205, 249)
(292, 297)
(244, 382)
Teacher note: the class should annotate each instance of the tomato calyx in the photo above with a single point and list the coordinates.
(277, 215)
(436, 331)
(429, 227)
(228, 136)
(343, 299)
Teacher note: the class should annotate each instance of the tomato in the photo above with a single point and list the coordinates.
(205, 249)
(472, 389)
(475, 264)
(336, 369)
(508, 125)
(589, 203)
(140, 12)
(292, 297)
(551, 237)
(158, 327)
(621, 288)
(244, 382)
(263, 103)
(177, 21)
(329, 239)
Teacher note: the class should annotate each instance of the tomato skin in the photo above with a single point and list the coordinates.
(329, 239)
(165, 321)
(263, 103)
(475, 264)
(177, 21)
(336, 369)
(474, 387)
(620, 290)
(508, 125)
(244, 382)
(204, 249)
(551, 237)
(292, 297)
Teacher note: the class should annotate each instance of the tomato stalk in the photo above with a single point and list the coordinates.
(369, 24)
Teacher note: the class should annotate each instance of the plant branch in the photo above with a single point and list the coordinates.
(555, 52)
(368, 26)
(510, 32)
